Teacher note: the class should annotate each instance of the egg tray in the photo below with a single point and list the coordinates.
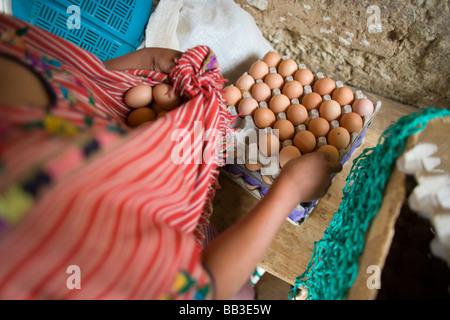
(257, 185)
(251, 179)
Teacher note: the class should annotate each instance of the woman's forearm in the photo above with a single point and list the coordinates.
(132, 60)
(155, 59)
(233, 255)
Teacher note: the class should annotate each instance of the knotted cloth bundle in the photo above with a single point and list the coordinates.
(101, 198)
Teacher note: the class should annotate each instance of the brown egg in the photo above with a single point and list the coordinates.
(164, 97)
(304, 76)
(247, 107)
(343, 95)
(287, 67)
(311, 101)
(274, 80)
(279, 103)
(156, 107)
(351, 121)
(272, 59)
(330, 110)
(253, 166)
(261, 92)
(269, 145)
(144, 124)
(319, 127)
(297, 114)
(285, 129)
(250, 187)
(339, 137)
(162, 113)
(324, 86)
(139, 116)
(138, 96)
(263, 118)
(305, 141)
(293, 89)
(258, 70)
(266, 179)
(288, 153)
(333, 153)
(363, 107)
(245, 82)
(232, 95)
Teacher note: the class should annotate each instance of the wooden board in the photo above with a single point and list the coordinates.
(291, 250)
(380, 234)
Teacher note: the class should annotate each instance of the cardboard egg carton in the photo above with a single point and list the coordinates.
(255, 170)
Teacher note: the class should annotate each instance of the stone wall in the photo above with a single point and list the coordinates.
(398, 49)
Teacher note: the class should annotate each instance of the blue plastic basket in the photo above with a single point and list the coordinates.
(107, 28)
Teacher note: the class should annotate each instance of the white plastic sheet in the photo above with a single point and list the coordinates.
(224, 26)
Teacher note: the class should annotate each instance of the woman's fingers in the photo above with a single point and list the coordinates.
(334, 167)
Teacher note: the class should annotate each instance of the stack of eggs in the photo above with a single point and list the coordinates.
(148, 103)
(311, 113)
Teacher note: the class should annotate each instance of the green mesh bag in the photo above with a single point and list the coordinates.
(334, 264)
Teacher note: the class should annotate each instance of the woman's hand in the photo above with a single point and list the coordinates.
(163, 60)
(308, 177)
(154, 59)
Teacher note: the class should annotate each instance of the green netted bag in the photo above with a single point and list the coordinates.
(334, 263)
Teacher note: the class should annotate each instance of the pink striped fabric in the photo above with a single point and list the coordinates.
(128, 216)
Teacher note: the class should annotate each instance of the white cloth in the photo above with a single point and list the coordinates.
(430, 198)
(222, 25)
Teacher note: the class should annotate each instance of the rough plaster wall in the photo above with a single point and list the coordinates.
(405, 57)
